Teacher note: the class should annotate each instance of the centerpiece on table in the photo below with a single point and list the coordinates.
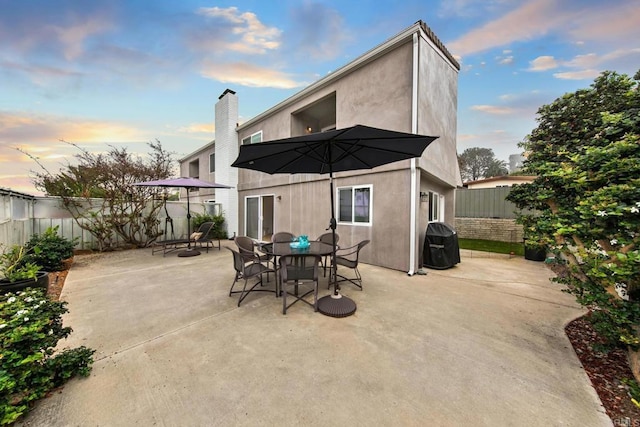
(300, 242)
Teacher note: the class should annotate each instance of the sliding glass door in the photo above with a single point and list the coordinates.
(259, 217)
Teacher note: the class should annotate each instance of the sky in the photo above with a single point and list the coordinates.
(101, 73)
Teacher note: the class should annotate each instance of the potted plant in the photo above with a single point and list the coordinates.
(17, 273)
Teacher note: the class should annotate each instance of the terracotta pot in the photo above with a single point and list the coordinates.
(41, 281)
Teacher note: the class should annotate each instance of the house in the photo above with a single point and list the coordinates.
(409, 83)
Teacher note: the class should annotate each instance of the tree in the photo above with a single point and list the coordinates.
(98, 193)
(585, 153)
(476, 163)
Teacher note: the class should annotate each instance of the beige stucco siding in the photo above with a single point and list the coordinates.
(437, 112)
(377, 93)
(305, 208)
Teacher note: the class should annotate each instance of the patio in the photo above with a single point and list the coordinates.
(478, 344)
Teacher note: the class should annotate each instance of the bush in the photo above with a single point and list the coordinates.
(219, 231)
(30, 328)
(15, 266)
(49, 250)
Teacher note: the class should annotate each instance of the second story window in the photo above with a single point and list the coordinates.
(253, 138)
(212, 162)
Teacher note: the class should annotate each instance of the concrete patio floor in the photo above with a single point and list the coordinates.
(480, 344)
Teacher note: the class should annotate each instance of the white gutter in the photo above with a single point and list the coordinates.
(414, 129)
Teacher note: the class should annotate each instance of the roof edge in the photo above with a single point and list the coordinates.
(400, 37)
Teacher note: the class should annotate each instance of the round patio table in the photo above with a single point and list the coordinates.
(280, 249)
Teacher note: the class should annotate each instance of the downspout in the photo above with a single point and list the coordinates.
(414, 129)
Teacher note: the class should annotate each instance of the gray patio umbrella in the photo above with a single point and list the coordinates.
(352, 148)
(187, 183)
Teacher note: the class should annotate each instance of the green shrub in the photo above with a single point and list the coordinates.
(49, 249)
(15, 266)
(30, 328)
(218, 232)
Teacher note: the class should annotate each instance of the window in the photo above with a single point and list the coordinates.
(354, 205)
(434, 206)
(212, 162)
(194, 169)
(253, 138)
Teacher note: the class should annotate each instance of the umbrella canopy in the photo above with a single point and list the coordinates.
(353, 148)
(183, 182)
(348, 149)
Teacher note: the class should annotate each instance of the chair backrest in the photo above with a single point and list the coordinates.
(360, 246)
(244, 243)
(353, 252)
(328, 238)
(238, 261)
(205, 228)
(299, 267)
(282, 237)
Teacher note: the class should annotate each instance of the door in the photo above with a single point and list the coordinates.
(259, 217)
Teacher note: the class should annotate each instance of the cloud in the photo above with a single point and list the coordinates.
(492, 109)
(73, 36)
(206, 128)
(43, 129)
(613, 23)
(543, 63)
(318, 32)
(531, 20)
(247, 74)
(600, 25)
(229, 29)
(577, 75)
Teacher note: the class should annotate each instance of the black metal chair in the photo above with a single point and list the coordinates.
(328, 239)
(282, 237)
(299, 270)
(247, 248)
(348, 257)
(249, 270)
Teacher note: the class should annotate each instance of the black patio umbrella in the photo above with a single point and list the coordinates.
(352, 148)
(187, 183)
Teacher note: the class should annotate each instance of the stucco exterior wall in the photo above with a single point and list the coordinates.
(202, 156)
(437, 116)
(377, 92)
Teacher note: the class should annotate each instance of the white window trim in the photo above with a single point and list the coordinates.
(250, 138)
(355, 187)
(435, 197)
(214, 162)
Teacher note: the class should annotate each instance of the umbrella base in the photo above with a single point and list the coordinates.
(189, 252)
(336, 307)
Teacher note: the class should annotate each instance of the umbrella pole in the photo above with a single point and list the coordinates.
(332, 225)
(189, 251)
(335, 305)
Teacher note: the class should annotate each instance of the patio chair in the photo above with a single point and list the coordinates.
(348, 257)
(328, 239)
(247, 248)
(282, 237)
(199, 237)
(299, 270)
(203, 236)
(248, 270)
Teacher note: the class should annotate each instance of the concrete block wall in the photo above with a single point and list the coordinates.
(502, 230)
